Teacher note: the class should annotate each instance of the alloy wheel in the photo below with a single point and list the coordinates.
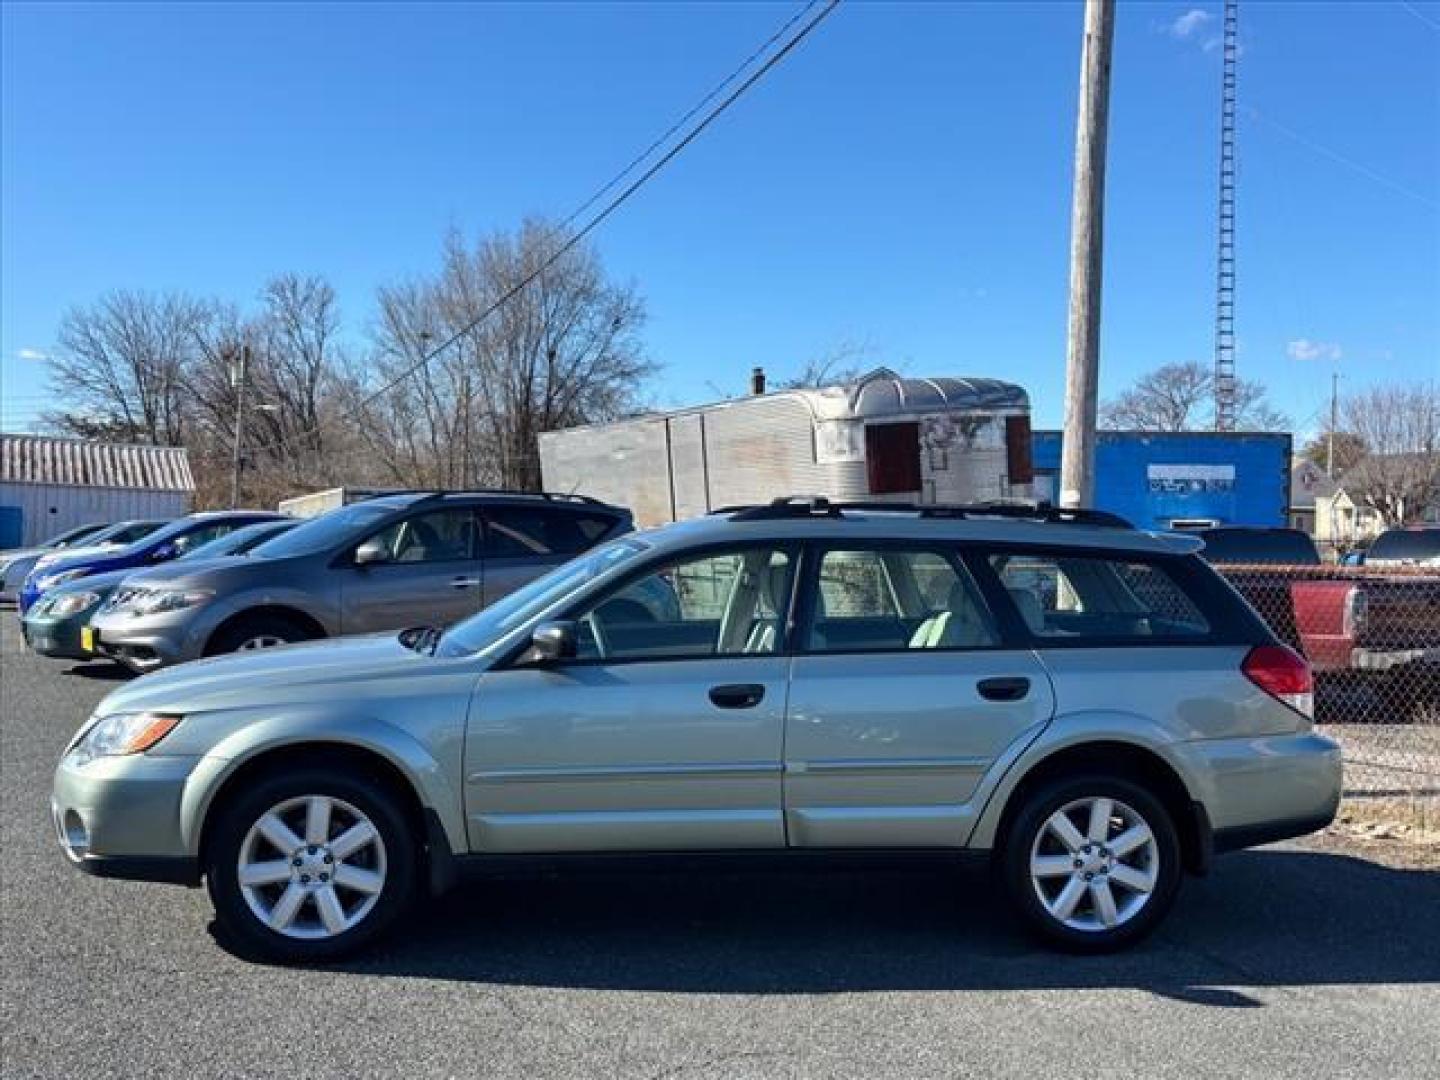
(312, 867)
(1094, 864)
(260, 641)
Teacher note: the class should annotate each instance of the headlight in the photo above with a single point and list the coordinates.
(49, 581)
(71, 604)
(121, 734)
(169, 600)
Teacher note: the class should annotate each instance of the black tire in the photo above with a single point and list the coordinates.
(236, 633)
(1019, 840)
(241, 928)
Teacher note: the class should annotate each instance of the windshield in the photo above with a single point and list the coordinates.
(327, 530)
(1406, 544)
(124, 532)
(1287, 547)
(239, 542)
(478, 631)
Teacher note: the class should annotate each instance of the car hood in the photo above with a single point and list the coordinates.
(308, 672)
(223, 574)
(98, 558)
(11, 554)
(183, 572)
(101, 583)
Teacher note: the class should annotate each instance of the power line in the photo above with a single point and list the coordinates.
(690, 115)
(611, 206)
(1413, 10)
(1336, 156)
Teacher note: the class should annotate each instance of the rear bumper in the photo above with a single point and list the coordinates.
(1266, 788)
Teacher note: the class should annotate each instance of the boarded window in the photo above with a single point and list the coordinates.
(1017, 450)
(892, 458)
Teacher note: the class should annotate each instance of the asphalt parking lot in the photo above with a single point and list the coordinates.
(1284, 962)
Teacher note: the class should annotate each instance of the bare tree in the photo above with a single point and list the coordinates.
(563, 350)
(1349, 450)
(1181, 397)
(840, 364)
(121, 366)
(1400, 426)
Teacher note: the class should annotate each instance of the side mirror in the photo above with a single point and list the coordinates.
(165, 552)
(372, 551)
(552, 642)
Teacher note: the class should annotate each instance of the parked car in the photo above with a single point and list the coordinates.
(160, 545)
(1413, 545)
(381, 564)
(833, 678)
(68, 538)
(1343, 618)
(15, 565)
(58, 624)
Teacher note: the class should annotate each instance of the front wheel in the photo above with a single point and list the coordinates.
(1091, 863)
(309, 865)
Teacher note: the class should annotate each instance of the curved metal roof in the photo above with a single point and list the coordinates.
(884, 393)
(39, 459)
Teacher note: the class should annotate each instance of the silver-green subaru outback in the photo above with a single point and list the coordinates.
(1088, 704)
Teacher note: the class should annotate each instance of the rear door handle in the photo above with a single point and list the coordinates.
(1008, 688)
(464, 582)
(737, 695)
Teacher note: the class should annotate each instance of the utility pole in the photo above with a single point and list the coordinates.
(1334, 420)
(237, 378)
(1087, 228)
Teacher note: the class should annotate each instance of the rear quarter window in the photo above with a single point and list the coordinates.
(1078, 598)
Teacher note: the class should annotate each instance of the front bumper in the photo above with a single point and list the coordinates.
(147, 642)
(1265, 788)
(57, 637)
(120, 817)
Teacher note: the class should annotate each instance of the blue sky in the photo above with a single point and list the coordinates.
(902, 180)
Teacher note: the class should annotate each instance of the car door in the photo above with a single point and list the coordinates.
(663, 733)
(431, 575)
(903, 695)
(523, 541)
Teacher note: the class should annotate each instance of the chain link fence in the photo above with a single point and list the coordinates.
(1372, 634)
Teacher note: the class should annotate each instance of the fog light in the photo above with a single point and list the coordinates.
(77, 836)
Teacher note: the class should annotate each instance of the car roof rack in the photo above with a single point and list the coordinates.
(548, 496)
(792, 508)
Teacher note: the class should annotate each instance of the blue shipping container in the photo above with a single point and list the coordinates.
(1156, 480)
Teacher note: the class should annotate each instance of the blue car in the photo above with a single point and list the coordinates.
(162, 545)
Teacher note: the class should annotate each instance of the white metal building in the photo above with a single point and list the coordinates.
(882, 437)
(48, 485)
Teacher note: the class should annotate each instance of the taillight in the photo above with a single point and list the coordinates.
(1357, 613)
(1284, 675)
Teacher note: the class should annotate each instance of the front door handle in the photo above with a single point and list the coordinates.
(464, 582)
(737, 695)
(1009, 688)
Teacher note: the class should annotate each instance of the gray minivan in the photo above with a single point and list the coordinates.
(431, 558)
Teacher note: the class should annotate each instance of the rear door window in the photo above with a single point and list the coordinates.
(892, 599)
(1074, 598)
(541, 531)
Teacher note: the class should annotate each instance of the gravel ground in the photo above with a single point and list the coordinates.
(1284, 962)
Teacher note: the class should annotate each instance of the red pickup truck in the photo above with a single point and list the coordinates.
(1343, 618)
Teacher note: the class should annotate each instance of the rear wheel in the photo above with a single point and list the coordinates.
(310, 865)
(1091, 863)
(257, 632)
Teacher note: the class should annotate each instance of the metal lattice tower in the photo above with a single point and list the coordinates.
(1225, 253)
